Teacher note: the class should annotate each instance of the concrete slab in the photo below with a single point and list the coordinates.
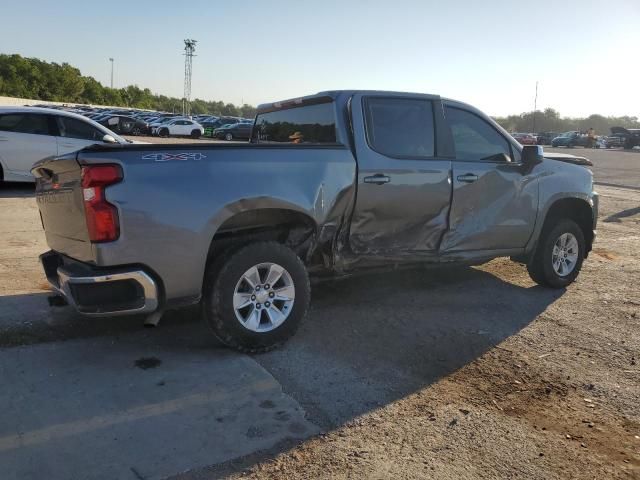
(127, 408)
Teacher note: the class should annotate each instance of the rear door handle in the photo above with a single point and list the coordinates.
(377, 179)
(4, 139)
(467, 178)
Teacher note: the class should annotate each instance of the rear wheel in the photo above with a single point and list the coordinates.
(256, 299)
(559, 255)
(228, 136)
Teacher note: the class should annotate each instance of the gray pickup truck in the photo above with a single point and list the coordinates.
(328, 184)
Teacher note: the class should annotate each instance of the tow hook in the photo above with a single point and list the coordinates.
(153, 319)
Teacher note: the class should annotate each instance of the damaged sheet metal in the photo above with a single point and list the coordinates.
(496, 211)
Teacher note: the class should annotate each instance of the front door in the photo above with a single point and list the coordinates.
(495, 200)
(403, 184)
(75, 134)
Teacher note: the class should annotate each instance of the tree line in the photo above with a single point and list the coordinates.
(39, 80)
(33, 78)
(549, 120)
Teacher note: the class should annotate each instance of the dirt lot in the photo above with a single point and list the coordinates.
(459, 374)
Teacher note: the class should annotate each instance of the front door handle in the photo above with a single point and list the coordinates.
(377, 179)
(467, 178)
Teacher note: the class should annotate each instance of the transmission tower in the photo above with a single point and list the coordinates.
(189, 49)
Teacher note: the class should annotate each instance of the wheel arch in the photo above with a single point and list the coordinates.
(281, 223)
(573, 208)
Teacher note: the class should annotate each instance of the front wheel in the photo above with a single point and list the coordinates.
(257, 298)
(195, 133)
(228, 137)
(164, 132)
(559, 255)
(136, 131)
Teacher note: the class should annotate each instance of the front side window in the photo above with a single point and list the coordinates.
(74, 128)
(400, 127)
(31, 123)
(304, 124)
(474, 138)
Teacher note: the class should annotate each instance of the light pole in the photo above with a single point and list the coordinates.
(111, 60)
(535, 107)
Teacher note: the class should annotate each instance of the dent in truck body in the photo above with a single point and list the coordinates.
(398, 227)
(559, 181)
(506, 213)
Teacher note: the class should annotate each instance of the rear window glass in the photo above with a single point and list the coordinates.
(401, 127)
(306, 124)
(25, 123)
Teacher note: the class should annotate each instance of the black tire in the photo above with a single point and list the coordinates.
(219, 287)
(164, 132)
(228, 136)
(195, 133)
(571, 145)
(136, 131)
(540, 265)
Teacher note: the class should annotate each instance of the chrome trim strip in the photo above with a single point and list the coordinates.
(146, 282)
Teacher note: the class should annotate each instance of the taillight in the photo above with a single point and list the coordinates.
(102, 216)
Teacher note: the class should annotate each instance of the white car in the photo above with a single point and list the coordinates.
(179, 126)
(29, 134)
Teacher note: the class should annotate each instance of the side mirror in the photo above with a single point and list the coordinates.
(532, 155)
(109, 139)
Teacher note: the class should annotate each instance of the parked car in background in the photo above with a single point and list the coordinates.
(545, 138)
(220, 122)
(524, 138)
(237, 131)
(570, 139)
(160, 121)
(180, 127)
(615, 140)
(624, 137)
(125, 125)
(29, 134)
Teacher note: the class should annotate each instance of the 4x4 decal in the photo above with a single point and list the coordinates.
(167, 157)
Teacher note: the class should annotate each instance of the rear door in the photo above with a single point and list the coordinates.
(403, 184)
(25, 138)
(495, 200)
(74, 134)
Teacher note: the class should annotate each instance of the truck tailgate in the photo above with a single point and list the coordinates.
(59, 197)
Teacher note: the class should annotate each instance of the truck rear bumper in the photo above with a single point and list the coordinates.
(99, 291)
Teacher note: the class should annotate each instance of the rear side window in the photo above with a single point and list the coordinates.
(73, 128)
(474, 138)
(305, 124)
(32, 123)
(400, 127)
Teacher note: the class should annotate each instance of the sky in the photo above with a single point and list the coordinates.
(585, 55)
